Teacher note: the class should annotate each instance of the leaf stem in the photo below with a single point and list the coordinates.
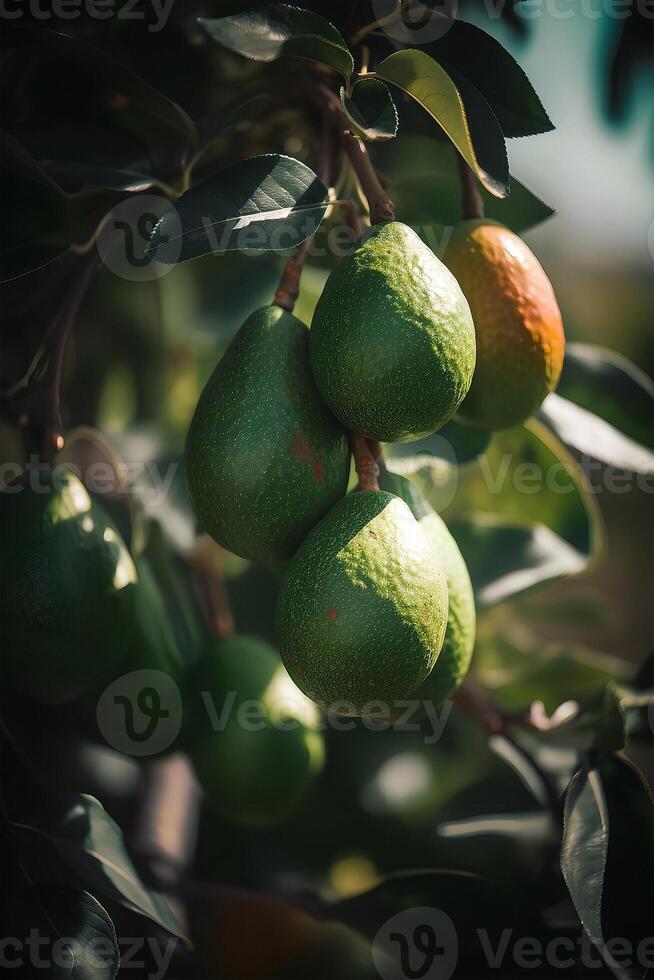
(472, 203)
(363, 32)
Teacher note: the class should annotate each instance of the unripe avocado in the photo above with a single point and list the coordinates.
(258, 761)
(520, 339)
(392, 340)
(454, 659)
(362, 608)
(67, 584)
(265, 459)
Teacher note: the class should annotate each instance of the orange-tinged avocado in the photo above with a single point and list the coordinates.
(520, 339)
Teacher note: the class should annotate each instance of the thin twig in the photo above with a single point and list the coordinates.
(289, 285)
(380, 205)
(366, 452)
(472, 204)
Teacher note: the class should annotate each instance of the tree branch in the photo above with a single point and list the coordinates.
(472, 204)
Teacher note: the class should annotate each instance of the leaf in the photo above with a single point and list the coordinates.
(610, 385)
(279, 30)
(607, 857)
(453, 444)
(69, 174)
(117, 92)
(590, 436)
(268, 202)
(473, 129)
(371, 110)
(76, 937)
(92, 844)
(423, 180)
(481, 59)
(34, 212)
(519, 512)
(506, 558)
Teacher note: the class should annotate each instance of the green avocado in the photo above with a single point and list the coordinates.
(392, 341)
(454, 660)
(253, 736)
(265, 459)
(67, 585)
(362, 608)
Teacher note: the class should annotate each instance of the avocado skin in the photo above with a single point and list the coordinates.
(362, 609)
(454, 660)
(265, 459)
(67, 584)
(392, 341)
(255, 768)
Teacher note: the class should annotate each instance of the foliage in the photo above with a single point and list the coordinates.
(222, 117)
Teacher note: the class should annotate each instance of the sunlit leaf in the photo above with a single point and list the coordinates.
(472, 127)
(613, 387)
(590, 436)
(268, 202)
(278, 30)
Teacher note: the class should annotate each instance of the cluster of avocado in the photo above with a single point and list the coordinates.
(369, 594)
(375, 604)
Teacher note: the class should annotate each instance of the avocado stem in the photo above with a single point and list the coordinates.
(366, 452)
(289, 285)
(380, 205)
(472, 203)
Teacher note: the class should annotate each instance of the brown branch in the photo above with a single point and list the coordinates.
(380, 204)
(472, 204)
(206, 560)
(366, 453)
(289, 285)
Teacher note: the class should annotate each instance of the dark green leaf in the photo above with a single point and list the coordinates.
(613, 387)
(454, 444)
(88, 175)
(92, 844)
(426, 188)
(471, 125)
(278, 30)
(590, 436)
(76, 937)
(268, 202)
(370, 110)
(607, 858)
(116, 92)
(473, 53)
(34, 212)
